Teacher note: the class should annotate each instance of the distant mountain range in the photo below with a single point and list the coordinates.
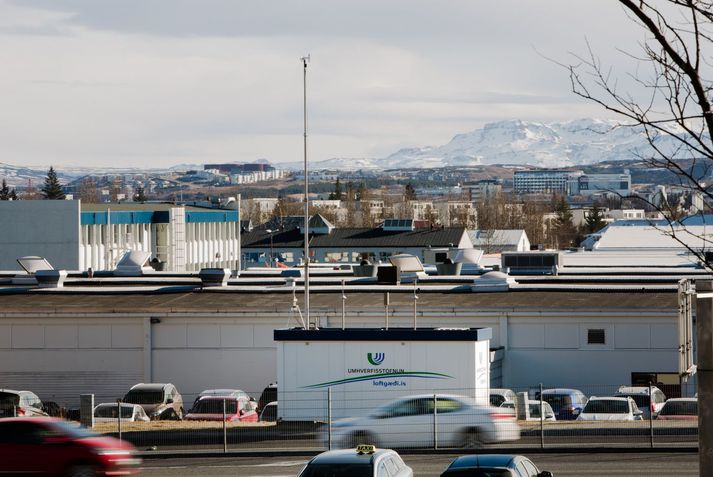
(563, 144)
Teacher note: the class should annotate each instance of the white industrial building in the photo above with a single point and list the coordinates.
(85, 338)
(76, 236)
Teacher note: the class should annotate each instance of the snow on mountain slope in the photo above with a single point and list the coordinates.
(582, 141)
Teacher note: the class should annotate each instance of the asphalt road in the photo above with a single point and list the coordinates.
(588, 464)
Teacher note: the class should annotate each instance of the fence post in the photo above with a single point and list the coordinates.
(14, 411)
(329, 418)
(651, 416)
(435, 421)
(118, 415)
(542, 421)
(225, 430)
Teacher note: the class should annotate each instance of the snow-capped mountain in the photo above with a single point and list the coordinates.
(19, 176)
(578, 142)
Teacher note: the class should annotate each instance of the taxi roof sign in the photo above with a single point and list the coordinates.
(365, 449)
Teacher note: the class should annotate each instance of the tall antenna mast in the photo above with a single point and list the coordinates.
(305, 60)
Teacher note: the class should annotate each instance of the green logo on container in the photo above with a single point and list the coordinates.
(375, 358)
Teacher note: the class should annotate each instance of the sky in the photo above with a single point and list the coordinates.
(155, 83)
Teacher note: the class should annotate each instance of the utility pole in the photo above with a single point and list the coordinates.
(305, 60)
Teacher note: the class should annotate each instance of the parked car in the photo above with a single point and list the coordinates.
(408, 422)
(610, 409)
(646, 403)
(49, 446)
(364, 461)
(679, 409)
(222, 392)
(493, 465)
(566, 403)
(534, 409)
(160, 401)
(499, 396)
(109, 412)
(268, 395)
(20, 403)
(269, 412)
(210, 408)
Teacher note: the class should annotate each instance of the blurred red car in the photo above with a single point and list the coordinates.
(210, 408)
(47, 446)
(679, 409)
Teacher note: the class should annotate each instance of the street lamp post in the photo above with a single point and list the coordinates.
(305, 59)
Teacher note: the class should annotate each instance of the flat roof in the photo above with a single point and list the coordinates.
(250, 300)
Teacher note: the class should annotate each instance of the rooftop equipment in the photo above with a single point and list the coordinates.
(133, 264)
(531, 263)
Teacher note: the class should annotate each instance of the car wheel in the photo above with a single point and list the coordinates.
(82, 471)
(470, 439)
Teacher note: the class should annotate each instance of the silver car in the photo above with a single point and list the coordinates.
(20, 403)
(459, 421)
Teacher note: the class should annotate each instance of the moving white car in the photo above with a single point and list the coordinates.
(409, 422)
(109, 412)
(610, 409)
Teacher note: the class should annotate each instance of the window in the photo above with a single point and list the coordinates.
(445, 405)
(596, 336)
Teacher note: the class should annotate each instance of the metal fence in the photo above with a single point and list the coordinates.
(537, 416)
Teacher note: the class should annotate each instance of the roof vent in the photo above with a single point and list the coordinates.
(32, 264)
(133, 264)
(493, 282)
(214, 277)
(51, 278)
(531, 263)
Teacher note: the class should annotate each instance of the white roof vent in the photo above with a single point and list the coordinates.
(406, 262)
(468, 255)
(493, 282)
(133, 264)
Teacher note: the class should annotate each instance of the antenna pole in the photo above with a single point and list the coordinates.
(305, 59)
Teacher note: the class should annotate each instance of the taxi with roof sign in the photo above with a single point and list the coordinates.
(363, 461)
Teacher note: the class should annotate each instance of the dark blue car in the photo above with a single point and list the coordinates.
(493, 465)
(566, 403)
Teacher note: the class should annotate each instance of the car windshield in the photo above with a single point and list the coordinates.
(338, 470)
(8, 400)
(215, 406)
(477, 473)
(607, 406)
(144, 397)
(111, 411)
(680, 408)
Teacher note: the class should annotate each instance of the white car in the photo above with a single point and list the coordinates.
(534, 406)
(500, 395)
(640, 394)
(109, 411)
(610, 409)
(409, 422)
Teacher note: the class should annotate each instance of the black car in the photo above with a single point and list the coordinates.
(493, 465)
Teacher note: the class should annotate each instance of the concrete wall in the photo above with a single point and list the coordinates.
(48, 228)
